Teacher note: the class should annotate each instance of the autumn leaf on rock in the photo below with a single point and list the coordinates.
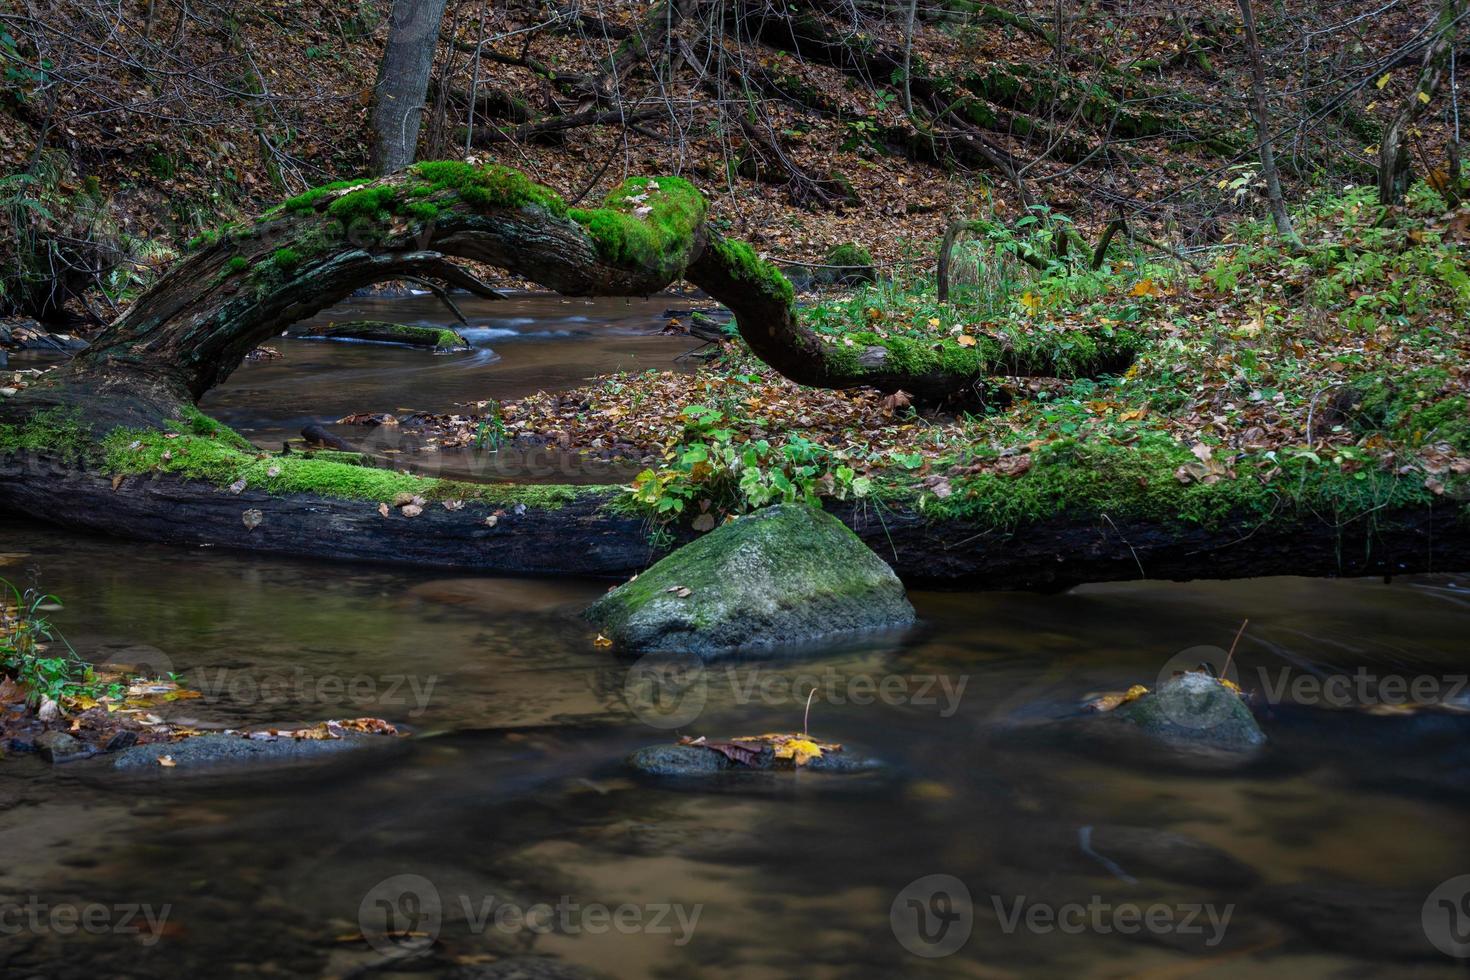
(251, 519)
(799, 749)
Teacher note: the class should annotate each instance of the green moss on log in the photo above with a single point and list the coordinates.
(755, 271)
(647, 221)
(489, 186)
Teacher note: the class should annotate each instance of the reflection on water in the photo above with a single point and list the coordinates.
(514, 793)
(523, 345)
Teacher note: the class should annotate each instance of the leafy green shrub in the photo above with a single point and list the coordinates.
(715, 474)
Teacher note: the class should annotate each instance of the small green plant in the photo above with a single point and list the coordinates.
(26, 640)
(491, 430)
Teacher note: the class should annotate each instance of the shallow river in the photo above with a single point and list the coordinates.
(1078, 858)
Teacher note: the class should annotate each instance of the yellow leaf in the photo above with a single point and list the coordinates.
(1424, 97)
(1108, 702)
(602, 641)
(965, 340)
(1031, 302)
(1382, 81)
(1145, 287)
(934, 321)
(799, 750)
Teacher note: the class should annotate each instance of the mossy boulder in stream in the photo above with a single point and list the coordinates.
(382, 332)
(1195, 707)
(788, 574)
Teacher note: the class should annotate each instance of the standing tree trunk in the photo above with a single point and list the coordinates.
(1393, 151)
(1263, 130)
(403, 80)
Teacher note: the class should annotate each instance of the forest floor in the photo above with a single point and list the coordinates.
(174, 157)
(1332, 380)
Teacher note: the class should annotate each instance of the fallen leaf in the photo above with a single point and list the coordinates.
(167, 761)
(251, 519)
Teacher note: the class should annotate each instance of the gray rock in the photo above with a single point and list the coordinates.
(693, 761)
(1194, 707)
(214, 751)
(59, 747)
(120, 740)
(788, 574)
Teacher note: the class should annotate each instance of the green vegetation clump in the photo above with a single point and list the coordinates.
(286, 259)
(373, 204)
(848, 264)
(308, 200)
(237, 263)
(27, 639)
(647, 221)
(489, 186)
(422, 210)
(55, 431)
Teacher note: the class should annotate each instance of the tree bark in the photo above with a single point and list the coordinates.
(403, 82)
(1393, 151)
(1262, 112)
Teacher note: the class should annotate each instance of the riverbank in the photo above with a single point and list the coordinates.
(1283, 412)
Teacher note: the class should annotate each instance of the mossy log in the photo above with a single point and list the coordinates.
(585, 531)
(249, 283)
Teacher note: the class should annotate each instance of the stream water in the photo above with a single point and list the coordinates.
(1078, 858)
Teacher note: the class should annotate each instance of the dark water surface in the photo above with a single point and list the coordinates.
(1315, 861)
(533, 342)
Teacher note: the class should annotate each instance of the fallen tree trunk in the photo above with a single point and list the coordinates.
(585, 533)
(112, 441)
(195, 326)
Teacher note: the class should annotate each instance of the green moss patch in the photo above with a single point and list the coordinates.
(647, 221)
(489, 186)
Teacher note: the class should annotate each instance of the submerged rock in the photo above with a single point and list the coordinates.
(1195, 707)
(382, 332)
(788, 574)
(213, 751)
(692, 760)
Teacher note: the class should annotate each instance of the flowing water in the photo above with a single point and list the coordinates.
(1315, 861)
